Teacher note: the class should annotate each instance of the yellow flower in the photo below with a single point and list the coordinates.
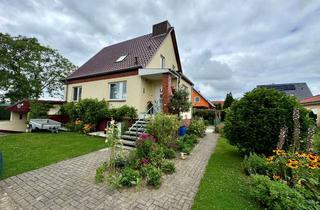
(77, 122)
(312, 165)
(279, 152)
(270, 158)
(294, 164)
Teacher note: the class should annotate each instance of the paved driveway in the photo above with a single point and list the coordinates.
(70, 185)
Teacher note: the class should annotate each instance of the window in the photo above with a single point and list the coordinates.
(121, 58)
(197, 99)
(162, 61)
(77, 93)
(20, 116)
(118, 91)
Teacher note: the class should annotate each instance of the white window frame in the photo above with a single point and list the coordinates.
(123, 95)
(197, 99)
(79, 93)
(162, 62)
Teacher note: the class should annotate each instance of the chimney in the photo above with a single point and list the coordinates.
(160, 28)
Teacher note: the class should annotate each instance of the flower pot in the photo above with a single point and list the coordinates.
(182, 130)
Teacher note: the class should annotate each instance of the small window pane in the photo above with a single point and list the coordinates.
(75, 93)
(118, 90)
(79, 93)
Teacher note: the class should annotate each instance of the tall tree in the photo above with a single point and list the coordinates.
(28, 69)
(228, 101)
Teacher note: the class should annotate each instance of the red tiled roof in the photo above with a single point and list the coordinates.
(143, 47)
(20, 107)
(313, 99)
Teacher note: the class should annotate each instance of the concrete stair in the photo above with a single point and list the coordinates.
(129, 138)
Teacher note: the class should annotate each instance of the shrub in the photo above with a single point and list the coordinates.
(253, 123)
(122, 112)
(119, 161)
(164, 128)
(153, 175)
(179, 101)
(39, 109)
(168, 167)
(208, 115)
(86, 110)
(186, 143)
(114, 179)
(275, 194)
(255, 164)
(169, 153)
(99, 177)
(219, 128)
(197, 127)
(144, 147)
(130, 177)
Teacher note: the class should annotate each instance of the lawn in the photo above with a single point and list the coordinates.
(28, 151)
(224, 185)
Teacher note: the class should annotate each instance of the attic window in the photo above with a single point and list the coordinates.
(121, 58)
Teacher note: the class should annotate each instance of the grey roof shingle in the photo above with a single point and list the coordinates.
(299, 90)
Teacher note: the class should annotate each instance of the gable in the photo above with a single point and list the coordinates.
(166, 49)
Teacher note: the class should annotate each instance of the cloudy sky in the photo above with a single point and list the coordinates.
(224, 45)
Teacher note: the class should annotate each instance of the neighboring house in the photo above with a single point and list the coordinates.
(139, 72)
(313, 104)
(18, 115)
(218, 104)
(199, 101)
(299, 90)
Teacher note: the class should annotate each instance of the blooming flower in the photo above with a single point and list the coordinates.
(292, 163)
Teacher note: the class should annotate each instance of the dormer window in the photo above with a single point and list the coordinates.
(121, 58)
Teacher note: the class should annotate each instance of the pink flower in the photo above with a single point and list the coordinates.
(144, 161)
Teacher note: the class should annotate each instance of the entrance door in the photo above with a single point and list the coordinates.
(158, 98)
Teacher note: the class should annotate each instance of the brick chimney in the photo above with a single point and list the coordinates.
(161, 28)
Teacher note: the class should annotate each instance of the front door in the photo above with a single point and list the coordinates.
(158, 98)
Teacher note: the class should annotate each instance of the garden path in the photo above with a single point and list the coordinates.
(70, 185)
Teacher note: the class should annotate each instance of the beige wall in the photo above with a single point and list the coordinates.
(315, 108)
(15, 123)
(166, 49)
(100, 90)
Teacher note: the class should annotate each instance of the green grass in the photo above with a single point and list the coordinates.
(224, 185)
(28, 151)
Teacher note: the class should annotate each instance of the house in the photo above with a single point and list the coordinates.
(218, 104)
(313, 104)
(17, 122)
(299, 90)
(199, 101)
(140, 72)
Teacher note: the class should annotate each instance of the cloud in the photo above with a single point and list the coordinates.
(224, 45)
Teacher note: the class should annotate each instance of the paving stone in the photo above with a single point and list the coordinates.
(70, 185)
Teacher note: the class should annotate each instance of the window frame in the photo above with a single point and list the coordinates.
(79, 93)
(162, 62)
(126, 91)
(195, 99)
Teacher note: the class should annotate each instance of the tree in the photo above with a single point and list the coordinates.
(28, 69)
(254, 122)
(228, 101)
(179, 101)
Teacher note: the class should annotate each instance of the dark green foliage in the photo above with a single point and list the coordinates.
(27, 69)
(4, 114)
(153, 175)
(208, 115)
(168, 167)
(186, 143)
(119, 161)
(87, 110)
(122, 112)
(253, 123)
(169, 153)
(228, 101)
(197, 127)
(39, 110)
(164, 128)
(130, 177)
(255, 164)
(277, 195)
(179, 101)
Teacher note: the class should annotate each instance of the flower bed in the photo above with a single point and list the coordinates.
(153, 157)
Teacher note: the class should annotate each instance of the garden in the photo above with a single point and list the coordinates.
(281, 148)
(157, 151)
